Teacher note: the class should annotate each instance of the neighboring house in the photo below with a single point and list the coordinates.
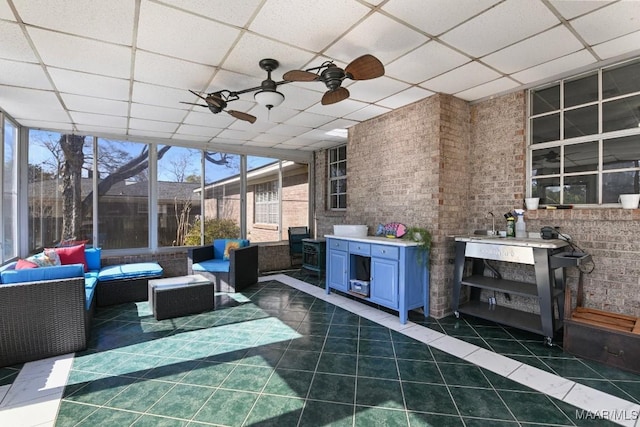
(269, 213)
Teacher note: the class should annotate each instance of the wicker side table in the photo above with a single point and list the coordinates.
(180, 296)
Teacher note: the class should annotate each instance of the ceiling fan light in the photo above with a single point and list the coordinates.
(269, 98)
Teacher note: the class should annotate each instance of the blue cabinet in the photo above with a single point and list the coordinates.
(398, 281)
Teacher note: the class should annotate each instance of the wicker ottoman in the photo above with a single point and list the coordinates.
(180, 296)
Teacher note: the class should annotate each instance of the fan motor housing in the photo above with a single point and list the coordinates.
(332, 77)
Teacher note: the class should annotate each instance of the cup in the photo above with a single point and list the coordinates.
(629, 201)
(532, 203)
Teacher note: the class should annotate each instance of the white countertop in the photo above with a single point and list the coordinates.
(381, 240)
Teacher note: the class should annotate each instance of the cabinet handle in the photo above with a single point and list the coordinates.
(383, 251)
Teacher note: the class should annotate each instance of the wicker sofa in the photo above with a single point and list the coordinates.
(233, 274)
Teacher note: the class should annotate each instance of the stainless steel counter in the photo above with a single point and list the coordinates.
(512, 241)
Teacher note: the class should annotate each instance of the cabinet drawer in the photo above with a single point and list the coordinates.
(359, 248)
(385, 251)
(340, 245)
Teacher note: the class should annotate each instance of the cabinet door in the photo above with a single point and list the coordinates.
(384, 282)
(338, 270)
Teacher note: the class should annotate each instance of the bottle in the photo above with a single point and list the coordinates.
(521, 227)
(511, 227)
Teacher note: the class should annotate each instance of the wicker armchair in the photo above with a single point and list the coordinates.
(239, 272)
(42, 319)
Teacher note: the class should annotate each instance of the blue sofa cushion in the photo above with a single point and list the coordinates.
(42, 273)
(90, 282)
(220, 244)
(130, 271)
(212, 266)
(93, 258)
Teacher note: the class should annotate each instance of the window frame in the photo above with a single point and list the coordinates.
(330, 179)
(271, 190)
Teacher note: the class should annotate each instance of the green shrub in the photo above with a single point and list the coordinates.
(213, 229)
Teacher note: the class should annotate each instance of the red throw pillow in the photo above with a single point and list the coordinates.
(72, 255)
(23, 263)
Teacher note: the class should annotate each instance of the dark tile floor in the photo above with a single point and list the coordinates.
(276, 356)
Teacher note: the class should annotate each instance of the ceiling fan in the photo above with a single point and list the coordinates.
(363, 68)
(217, 102)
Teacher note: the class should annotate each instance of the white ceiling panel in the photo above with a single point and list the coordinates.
(103, 20)
(313, 24)
(420, 65)
(436, 16)
(95, 105)
(123, 67)
(152, 68)
(44, 124)
(80, 54)
(555, 67)
(390, 38)
(81, 83)
(551, 44)
(208, 41)
(613, 21)
(24, 74)
(462, 78)
(14, 44)
(500, 26)
(496, 86)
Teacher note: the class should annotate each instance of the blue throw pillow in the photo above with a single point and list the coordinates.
(93, 258)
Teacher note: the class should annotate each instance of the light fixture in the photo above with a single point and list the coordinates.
(269, 98)
(268, 94)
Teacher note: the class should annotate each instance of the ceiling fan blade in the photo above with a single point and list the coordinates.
(364, 68)
(193, 103)
(242, 116)
(299, 76)
(333, 96)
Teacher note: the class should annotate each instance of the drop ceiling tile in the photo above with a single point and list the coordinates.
(462, 78)
(237, 135)
(23, 74)
(533, 51)
(145, 93)
(316, 134)
(617, 46)
(104, 20)
(405, 97)
(98, 120)
(6, 12)
(261, 144)
(14, 44)
(494, 87)
(379, 36)
(104, 131)
(210, 132)
(270, 138)
(151, 112)
(425, 62)
(208, 119)
(89, 84)
(237, 15)
(338, 124)
(24, 103)
(183, 35)
(375, 90)
(367, 113)
(80, 54)
(339, 109)
(555, 67)
(251, 48)
(152, 68)
(258, 126)
(95, 105)
(152, 125)
(233, 82)
(276, 116)
(613, 21)
(44, 124)
(301, 98)
(150, 134)
(500, 26)
(314, 25)
(436, 16)
(309, 120)
(571, 9)
(288, 130)
(190, 138)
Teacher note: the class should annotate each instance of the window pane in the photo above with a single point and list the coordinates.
(581, 157)
(581, 91)
(546, 161)
(545, 100)
(342, 152)
(50, 218)
(581, 189)
(179, 171)
(616, 183)
(621, 153)
(621, 114)
(581, 121)
(546, 128)
(548, 189)
(10, 192)
(342, 201)
(621, 80)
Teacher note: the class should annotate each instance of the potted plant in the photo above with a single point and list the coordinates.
(422, 237)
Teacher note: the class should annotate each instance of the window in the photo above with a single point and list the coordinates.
(338, 178)
(9, 203)
(584, 137)
(267, 203)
